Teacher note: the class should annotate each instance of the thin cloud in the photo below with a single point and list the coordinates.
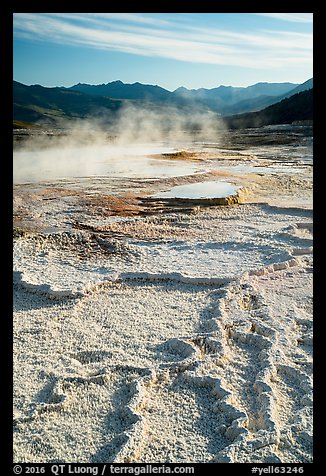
(104, 18)
(292, 17)
(129, 33)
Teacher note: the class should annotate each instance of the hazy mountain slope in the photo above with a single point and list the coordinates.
(256, 104)
(298, 107)
(232, 100)
(270, 89)
(251, 105)
(37, 103)
(302, 87)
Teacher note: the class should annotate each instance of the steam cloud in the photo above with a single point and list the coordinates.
(85, 147)
(136, 124)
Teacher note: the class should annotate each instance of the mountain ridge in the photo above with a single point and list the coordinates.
(219, 99)
(37, 104)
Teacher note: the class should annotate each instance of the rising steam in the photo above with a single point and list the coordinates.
(87, 147)
(168, 124)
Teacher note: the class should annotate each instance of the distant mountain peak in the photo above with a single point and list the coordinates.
(181, 88)
(224, 87)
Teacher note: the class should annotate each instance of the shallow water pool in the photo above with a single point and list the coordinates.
(213, 189)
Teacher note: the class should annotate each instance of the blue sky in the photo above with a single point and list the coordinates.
(168, 49)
